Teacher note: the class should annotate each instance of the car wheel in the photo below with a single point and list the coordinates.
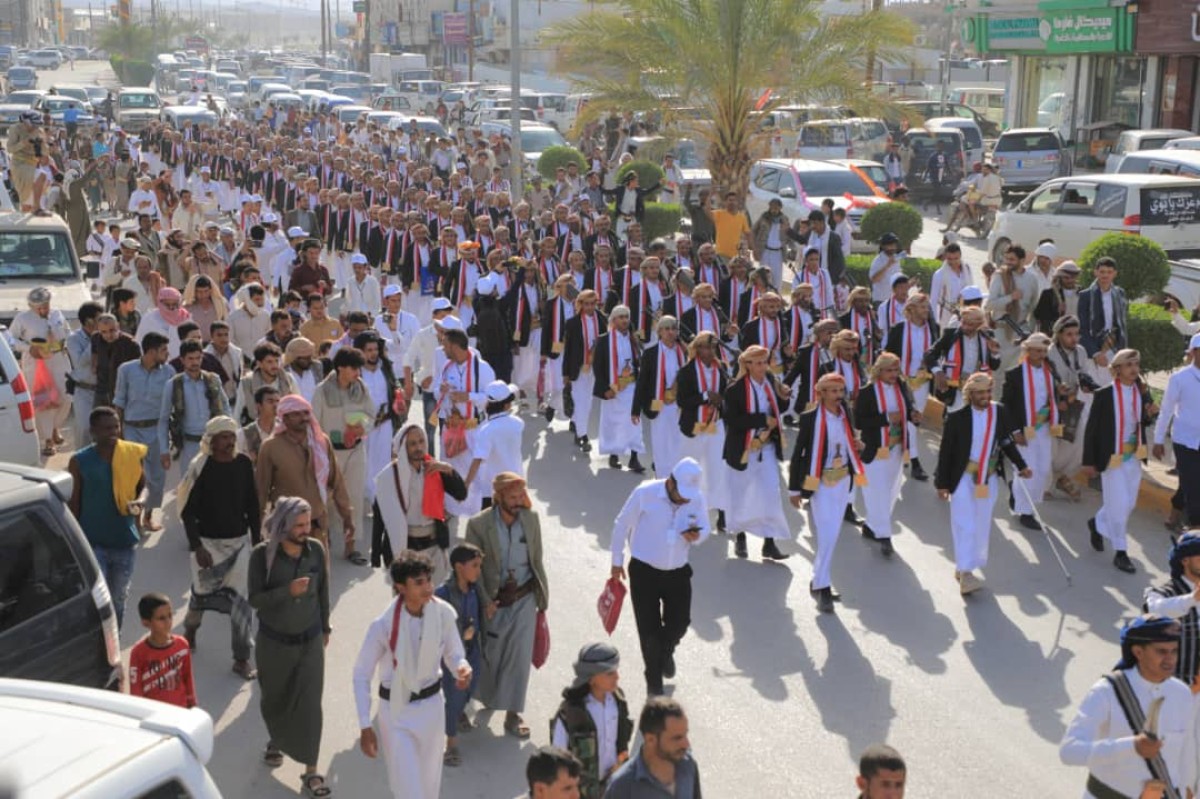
(998, 249)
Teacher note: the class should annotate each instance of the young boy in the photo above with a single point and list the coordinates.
(160, 665)
(594, 695)
(461, 591)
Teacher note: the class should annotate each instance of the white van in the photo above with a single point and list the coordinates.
(1162, 162)
(987, 102)
(1075, 210)
(842, 138)
(972, 135)
(38, 251)
(121, 747)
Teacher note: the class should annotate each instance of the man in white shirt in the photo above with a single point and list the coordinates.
(1179, 405)
(498, 443)
(420, 362)
(362, 292)
(398, 328)
(1123, 758)
(948, 282)
(412, 639)
(660, 521)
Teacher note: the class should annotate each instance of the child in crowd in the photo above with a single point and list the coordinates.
(461, 590)
(160, 665)
(591, 704)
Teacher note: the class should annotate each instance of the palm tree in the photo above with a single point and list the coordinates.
(131, 41)
(722, 57)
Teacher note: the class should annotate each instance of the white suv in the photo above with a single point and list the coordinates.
(120, 746)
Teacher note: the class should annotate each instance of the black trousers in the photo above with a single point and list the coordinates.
(662, 608)
(1187, 462)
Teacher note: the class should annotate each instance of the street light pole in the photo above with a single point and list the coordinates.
(514, 59)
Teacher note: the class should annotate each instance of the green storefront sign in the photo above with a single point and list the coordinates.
(1053, 32)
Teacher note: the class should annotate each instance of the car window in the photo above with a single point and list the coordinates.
(1110, 201)
(1026, 142)
(35, 255)
(1046, 202)
(1078, 199)
(834, 183)
(138, 101)
(823, 135)
(768, 180)
(38, 570)
(973, 140)
(168, 790)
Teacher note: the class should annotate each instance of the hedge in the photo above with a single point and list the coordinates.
(131, 71)
(899, 218)
(1142, 267)
(649, 173)
(559, 155)
(858, 267)
(1152, 334)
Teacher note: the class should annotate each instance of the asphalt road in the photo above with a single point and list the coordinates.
(781, 699)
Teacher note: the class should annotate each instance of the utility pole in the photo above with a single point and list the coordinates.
(324, 32)
(945, 73)
(471, 42)
(366, 46)
(514, 60)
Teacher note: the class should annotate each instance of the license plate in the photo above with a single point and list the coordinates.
(1019, 163)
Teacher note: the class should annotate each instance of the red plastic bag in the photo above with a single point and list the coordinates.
(541, 641)
(45, 393)
(612, 598)
(454, 440)
(400, 403)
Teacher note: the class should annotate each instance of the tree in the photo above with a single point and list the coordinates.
(132, 41)
(732, 59)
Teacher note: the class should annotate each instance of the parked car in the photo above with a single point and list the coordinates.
(534, 139)
(1075, 210)
(1162, 162)
(350, 113)
(422, 95)
(56, 105)
(918, 144)
(38, 251)
(1132, 141)
(391, 101)
(842, 138)
(45, 59)
(122, 747)
(802, 184)
(67, 90)
(12, 106)
(183, 117)
(972, 136)
(136, 108)
(928, 109)
(21, 78)
(1188, 143)
(57, 620)
(988, 102)
(1028, 157)
(499, 113)
(427, 125)
(18, 438)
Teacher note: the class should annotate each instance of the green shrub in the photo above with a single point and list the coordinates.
(131, 71)
(1152, 334)
(662, 219)
(559, 155)
(858, 267)
(899, 218)
(1142, 268)
(649, 173)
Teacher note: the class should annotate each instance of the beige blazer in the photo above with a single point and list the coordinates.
(481, 531)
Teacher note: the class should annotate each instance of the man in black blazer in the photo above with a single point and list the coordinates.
(969, 471)
(958, 353)
(826, 464)
(1122, 412)
(909, 340)
(656, 394)
(1037, 423)
(1103, 314)
(630, 201)
(579, 348)
(615, 364)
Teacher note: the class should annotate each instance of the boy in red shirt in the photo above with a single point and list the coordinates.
(160, 665)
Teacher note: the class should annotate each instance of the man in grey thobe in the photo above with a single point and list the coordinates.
(514, 583)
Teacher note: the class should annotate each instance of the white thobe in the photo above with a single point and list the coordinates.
(665, 438)
(618, 434)
(379, 440)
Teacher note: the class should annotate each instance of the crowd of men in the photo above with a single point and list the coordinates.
(332, 340)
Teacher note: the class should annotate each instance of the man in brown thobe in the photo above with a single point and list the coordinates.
(288, 466)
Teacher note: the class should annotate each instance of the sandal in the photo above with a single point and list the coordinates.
(272, 756)
(243, 669)
(452, 758)
(357, 558)
(518, 729)
(314, 786)
(49, 450)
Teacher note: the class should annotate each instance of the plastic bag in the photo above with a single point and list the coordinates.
(609, 605)
(400, 403)
(454, 440)
(541, 641)
(45, 392)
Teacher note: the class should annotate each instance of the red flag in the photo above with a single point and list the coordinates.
(763, 100)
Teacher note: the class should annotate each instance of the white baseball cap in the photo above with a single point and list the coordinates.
(498, 391)
(296, 232)
(270, 219)
(970, 293)
(358, 258)
(449, 323)
(392, 290)
(1195, 342)
(439, 303)
(687, 474)
(1046, 250)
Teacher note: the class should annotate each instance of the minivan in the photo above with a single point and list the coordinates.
(1162, 162)
(1132, 141)
(1075, 210)
(972, 135)
(989, 102)
(1028, 157)
(842, 138)
(57, 619)
(22, 78)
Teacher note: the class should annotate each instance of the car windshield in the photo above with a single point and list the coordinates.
(834, 183)
(822, 135)
(20, 73)
(59, 103)
(925, 141)
(875, 172)
(138, 101)
(1026, 142)
(35, 255)
(536, 141)
(22, 98)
